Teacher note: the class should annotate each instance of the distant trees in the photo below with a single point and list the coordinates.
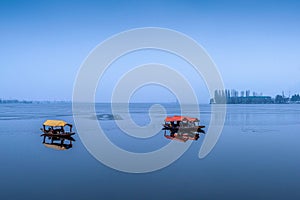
(295, 98)
(233, 97)
(3, 101)
(279, 99)
(283, 100)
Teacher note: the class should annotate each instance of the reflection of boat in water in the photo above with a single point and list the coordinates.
(182, 128)
(55, 130)
(58, 146)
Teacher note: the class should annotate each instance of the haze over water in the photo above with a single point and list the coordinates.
(256, 157)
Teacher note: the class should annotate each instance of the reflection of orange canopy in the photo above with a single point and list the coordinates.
(181, 118)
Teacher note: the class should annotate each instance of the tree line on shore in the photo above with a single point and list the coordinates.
(244, 97)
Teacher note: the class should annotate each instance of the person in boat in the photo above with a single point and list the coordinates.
(50, 129)
(61, 130)
(172, 132)
(172, 124)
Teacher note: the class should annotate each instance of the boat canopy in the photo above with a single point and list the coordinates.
(181, 118)
(55, 123)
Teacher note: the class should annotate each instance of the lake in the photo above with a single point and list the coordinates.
(256, 157)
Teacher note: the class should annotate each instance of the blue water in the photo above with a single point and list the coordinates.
(256, 157)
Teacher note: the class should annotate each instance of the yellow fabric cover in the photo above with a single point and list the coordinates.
(55, 123)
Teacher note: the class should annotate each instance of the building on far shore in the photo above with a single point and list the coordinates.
(232, 97)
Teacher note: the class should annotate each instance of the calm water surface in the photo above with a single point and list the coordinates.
(256, 157)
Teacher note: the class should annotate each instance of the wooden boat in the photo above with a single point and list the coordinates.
(56, 130)
(182, 128)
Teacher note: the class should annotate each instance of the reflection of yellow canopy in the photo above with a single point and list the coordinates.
(55, 146)
(55, 123)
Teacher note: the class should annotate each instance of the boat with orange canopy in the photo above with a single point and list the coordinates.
(182, 128)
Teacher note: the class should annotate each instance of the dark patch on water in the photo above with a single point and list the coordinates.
(257, 130)
(104, 117)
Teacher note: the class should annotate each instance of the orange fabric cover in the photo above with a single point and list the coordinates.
(180, 118)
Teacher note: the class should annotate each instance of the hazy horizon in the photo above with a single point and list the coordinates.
(141, 100)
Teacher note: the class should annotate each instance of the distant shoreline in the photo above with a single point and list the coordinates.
(16, 101)
(167, 103)
(234, 97)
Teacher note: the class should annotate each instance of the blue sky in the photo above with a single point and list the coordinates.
(255, 44)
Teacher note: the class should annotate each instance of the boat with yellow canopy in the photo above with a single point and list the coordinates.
(57, 130)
